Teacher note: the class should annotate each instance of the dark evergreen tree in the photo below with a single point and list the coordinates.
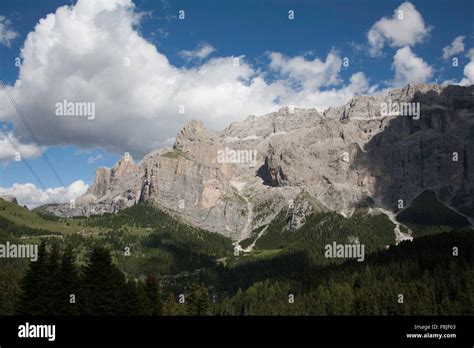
(198, 302)
(53, 286)
(137, 302)
(34, 298)
(152, 287)
(170, 306)
(69, 280)
(10, 288)
(103, 289)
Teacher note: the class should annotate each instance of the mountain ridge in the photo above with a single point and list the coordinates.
(335, 160)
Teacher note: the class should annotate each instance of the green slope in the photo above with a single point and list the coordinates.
(432, 280)
(427, 215)
(159, 242)
(22, 216)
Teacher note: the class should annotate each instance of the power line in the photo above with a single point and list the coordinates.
(25, 161)
(25, 122)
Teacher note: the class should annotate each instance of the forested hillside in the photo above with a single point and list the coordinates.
(150, 263)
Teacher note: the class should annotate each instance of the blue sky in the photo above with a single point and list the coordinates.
(320, 36)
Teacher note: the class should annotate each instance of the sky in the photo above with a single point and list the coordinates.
(144, 68)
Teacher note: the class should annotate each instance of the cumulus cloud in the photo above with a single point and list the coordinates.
(307, 74)
(409, 68)
(406, 27)
(203, 50)
(358, 84)
(11, 147)
(31, 196)
(469, 70)
(457, 46)
(97, 56)
(7, 33)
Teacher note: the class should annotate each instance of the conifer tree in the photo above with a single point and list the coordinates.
(198, 302)
(10, 289)
(136, 301)
(170, 306)
(103, 286)
(53, 286)
(152, 287)
(69, 280)
(34, 285)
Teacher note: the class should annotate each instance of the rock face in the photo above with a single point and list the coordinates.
(238, 179)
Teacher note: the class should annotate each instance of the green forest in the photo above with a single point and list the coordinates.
(144, 261)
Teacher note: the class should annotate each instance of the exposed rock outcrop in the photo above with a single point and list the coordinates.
(238, 179)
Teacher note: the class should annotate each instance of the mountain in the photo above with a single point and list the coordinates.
(375, 152)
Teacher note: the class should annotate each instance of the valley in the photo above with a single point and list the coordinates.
(240, 238)
(143, 240)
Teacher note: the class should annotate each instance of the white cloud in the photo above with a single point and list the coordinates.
(11, 146)
(469, 73)
(309, 74)
(31, 196)
(406, 27)
(469, 70)
(82, 59)
(7, 33)
(470, 54)
(457, 46)
(358, 84)
(203, 50)
(409, 68)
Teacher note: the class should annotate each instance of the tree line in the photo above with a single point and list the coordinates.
(433, 275)
(56, 285)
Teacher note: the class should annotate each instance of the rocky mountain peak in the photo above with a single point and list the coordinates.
(240, 178)
(193, 131)
(124, 166)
